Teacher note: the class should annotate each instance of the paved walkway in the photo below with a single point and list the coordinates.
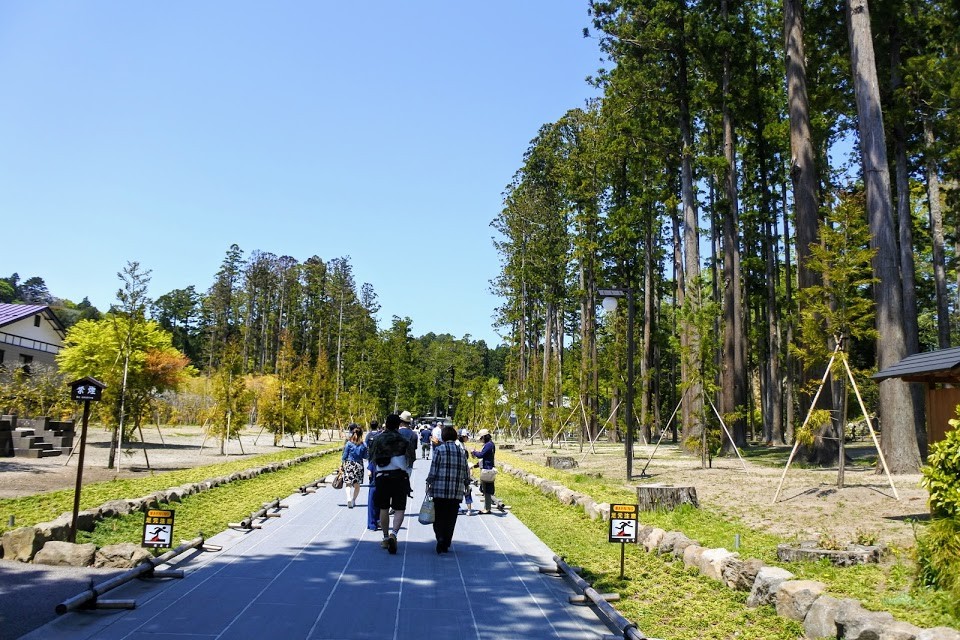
(317, 573)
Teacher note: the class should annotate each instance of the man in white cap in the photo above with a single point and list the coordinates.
(409, 434)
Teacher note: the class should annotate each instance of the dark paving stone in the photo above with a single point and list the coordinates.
(317, 573)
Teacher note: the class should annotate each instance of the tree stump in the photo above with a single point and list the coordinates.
(663, 497)
(561, 462)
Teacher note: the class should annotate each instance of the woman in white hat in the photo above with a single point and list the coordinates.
(487, 467)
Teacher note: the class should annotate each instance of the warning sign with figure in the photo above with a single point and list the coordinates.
(623, 523)
(158, 528)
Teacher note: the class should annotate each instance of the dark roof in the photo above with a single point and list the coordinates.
(931, 366)
(10, 313)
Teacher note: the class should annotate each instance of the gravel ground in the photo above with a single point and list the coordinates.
(173, 448)
(810, 504)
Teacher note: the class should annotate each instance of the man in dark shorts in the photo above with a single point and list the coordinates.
(391, 452)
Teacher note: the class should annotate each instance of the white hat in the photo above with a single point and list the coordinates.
(483, 432)
(406, 417)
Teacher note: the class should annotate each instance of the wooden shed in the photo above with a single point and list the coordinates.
(940, 371)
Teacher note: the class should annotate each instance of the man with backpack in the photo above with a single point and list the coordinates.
(391, 452)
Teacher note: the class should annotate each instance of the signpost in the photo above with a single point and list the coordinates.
(84, 390)
(623, 528)
(158, 528)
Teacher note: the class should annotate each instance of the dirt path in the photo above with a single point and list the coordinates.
(810, 504)
(180, 448)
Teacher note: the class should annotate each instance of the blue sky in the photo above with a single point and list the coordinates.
(384, 131)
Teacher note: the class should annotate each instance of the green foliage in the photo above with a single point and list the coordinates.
(97, 348)
(883, 587)
(42, 392)
(818, 419)
(938, 559)
(938, 546)
(841, 304)
(664, 599)
(941, 475)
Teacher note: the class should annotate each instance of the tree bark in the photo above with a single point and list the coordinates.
(734, 369)
(693, 400)
(936, 232)
(899, 442)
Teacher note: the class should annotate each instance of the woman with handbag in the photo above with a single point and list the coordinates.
(351, 464)
(449, 477)
(488, 469)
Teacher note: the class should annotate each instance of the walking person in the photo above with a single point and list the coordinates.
(390, 451)
(486, 454)
(447, 481)
(425, 442)
(373, 514)
(354, 451)
(462, 441)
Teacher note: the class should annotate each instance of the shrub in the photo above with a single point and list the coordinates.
(941, 476)
(938, 548)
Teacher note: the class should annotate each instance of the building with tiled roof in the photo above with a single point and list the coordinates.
(29, 333)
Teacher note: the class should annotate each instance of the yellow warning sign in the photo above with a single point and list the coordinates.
(158, 528)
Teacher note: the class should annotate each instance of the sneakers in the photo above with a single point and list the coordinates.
(392, 544)
(385, 543)
(350, 504)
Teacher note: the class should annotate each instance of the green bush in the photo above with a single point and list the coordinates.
(938, 547)
(941, 476)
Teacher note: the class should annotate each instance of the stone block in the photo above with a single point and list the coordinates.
(740, 574)
(821, 620)
(116, 508)
(604, 509)
(856, 623)
(66, 554)
(125, 555)
(711, 562)
(691, 556)
(653, 539)
(795, 597)
(561, 462)
(22, 544)
(764, 590)
(56, 529)
(564, 495)
(673, 542)
(900, 630)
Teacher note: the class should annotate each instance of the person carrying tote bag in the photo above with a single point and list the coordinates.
(488, 469)
(447, 481)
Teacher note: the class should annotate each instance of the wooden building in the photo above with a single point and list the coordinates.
(940, 372)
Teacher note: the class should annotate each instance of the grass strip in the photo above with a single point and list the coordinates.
(665, 600)
(42, 507)
(888, 586)
(211, 511)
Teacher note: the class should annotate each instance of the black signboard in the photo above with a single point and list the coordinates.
(86, 389)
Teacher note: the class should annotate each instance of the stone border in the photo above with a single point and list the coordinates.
(805, 601)
(28, 543)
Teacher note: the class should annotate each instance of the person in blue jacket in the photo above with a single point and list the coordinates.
(373, 514)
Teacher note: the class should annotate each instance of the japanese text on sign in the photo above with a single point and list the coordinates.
(623, 523)
(158, 528)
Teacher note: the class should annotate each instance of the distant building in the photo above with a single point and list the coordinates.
(29, 333)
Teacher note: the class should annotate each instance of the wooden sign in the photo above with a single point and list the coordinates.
(86, 389)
